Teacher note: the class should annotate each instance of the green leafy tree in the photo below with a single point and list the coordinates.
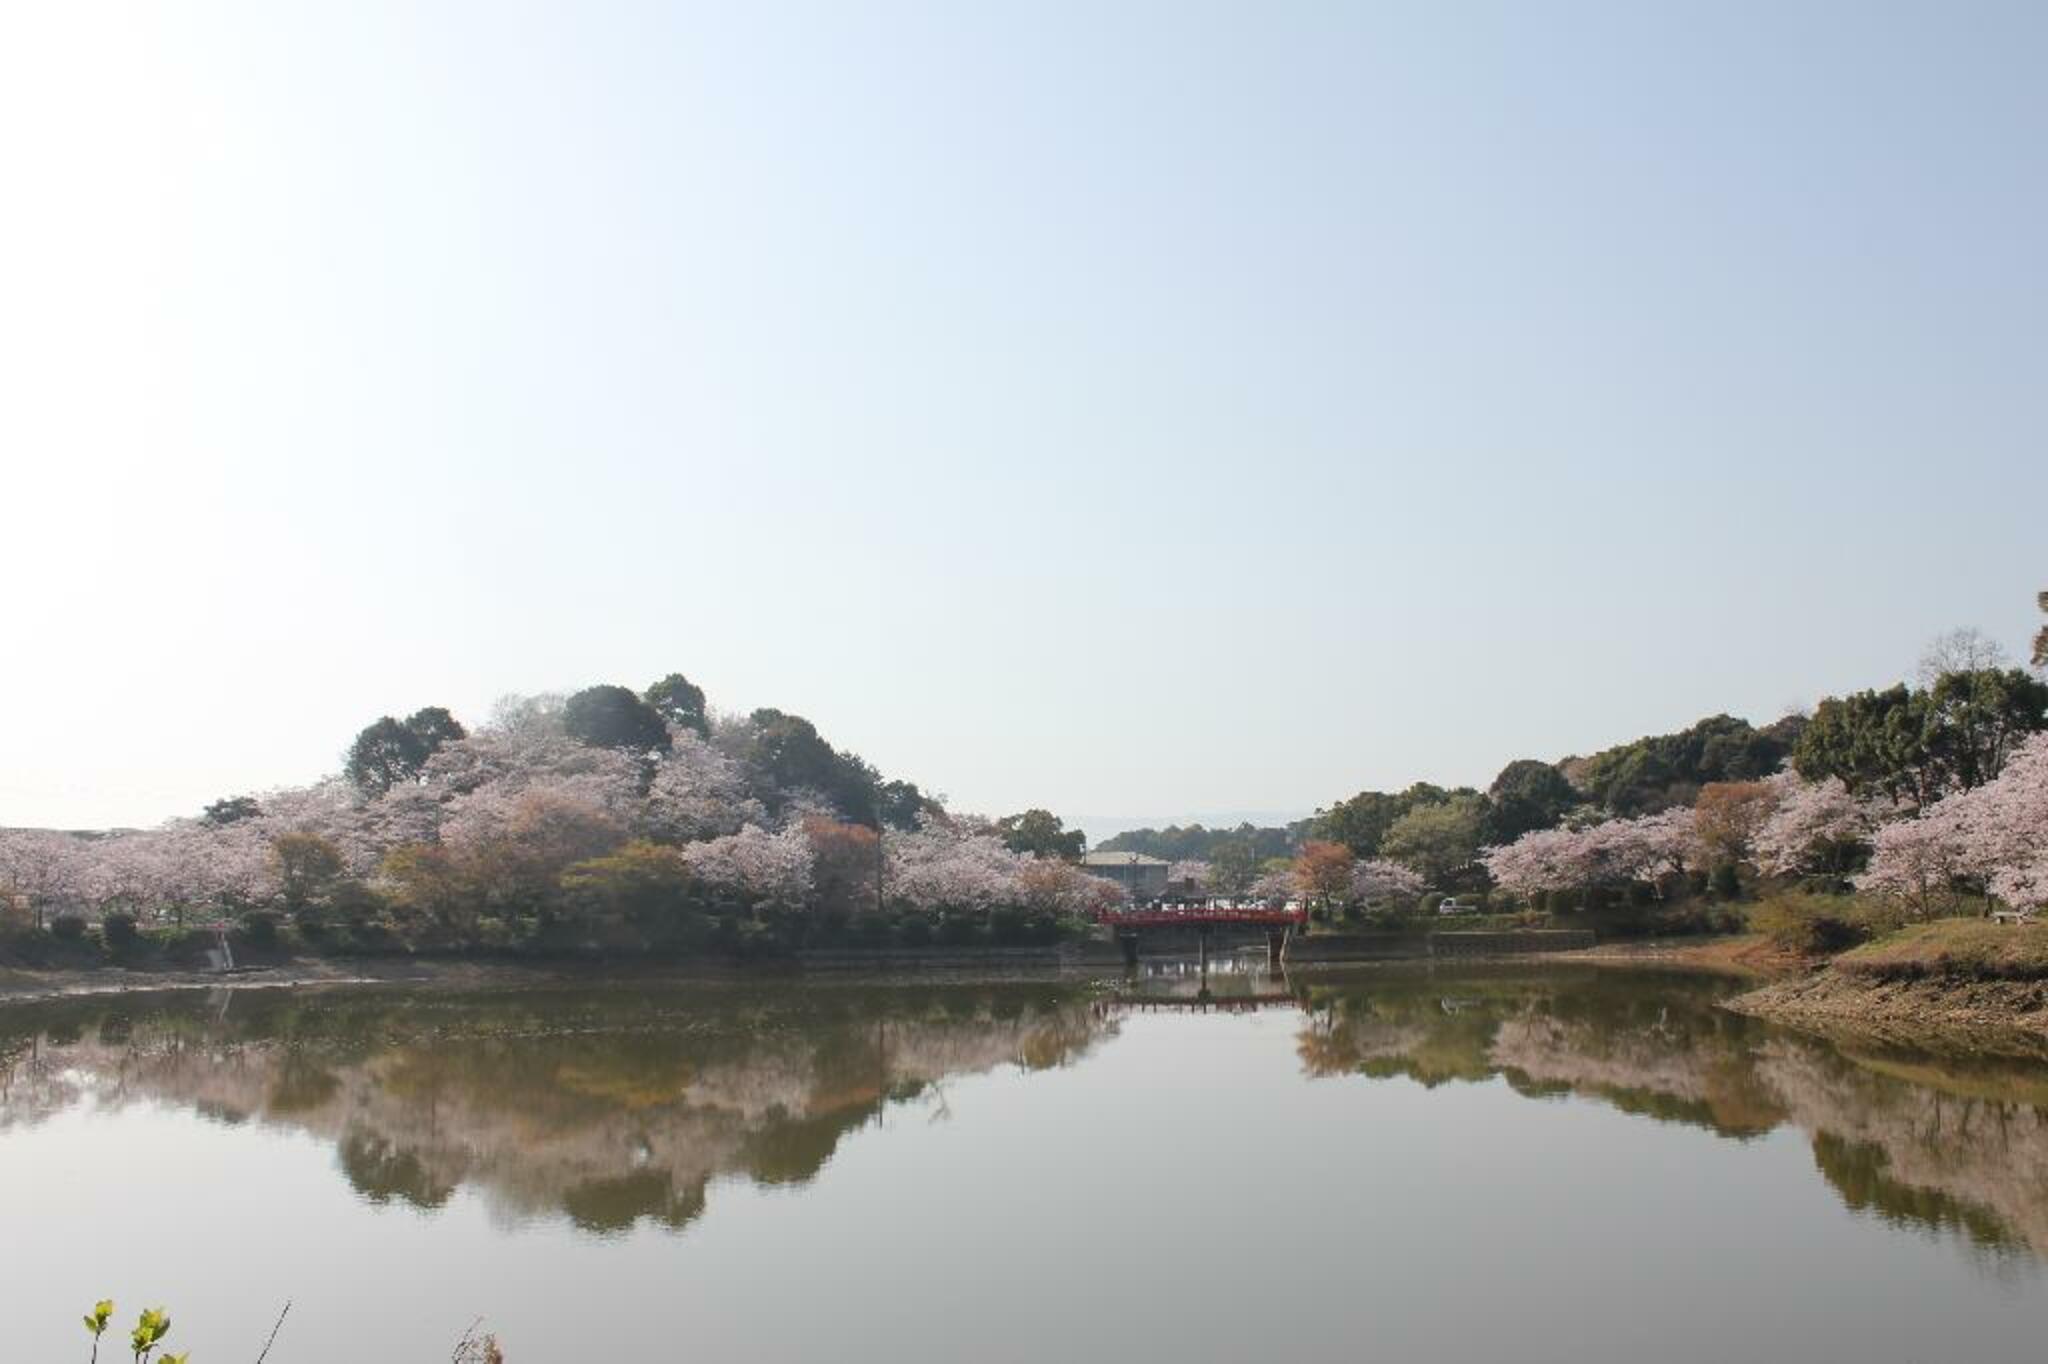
(1361, 823)
(1526, 796)
(608, 716)
(787, 755)
(389, 752)
(1917, 746)
(901, 805)
(647, 886)
(308, 866)
(1874, 741)
(434, 726)
(1976, 719)
(2041, 637)
(1195, 843)
(230, 810)
(384, 754)
(679, 701)
(1659, 771)
(1042, 833)
(1438, 841)
(1233, 865)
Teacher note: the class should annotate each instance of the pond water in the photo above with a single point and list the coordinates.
(1539, 1164)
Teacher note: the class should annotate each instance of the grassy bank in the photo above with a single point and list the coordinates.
(1953, 949)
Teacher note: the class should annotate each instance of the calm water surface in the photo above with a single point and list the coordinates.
(1533, 1164)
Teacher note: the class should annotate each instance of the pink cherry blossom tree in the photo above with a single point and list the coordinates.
(1616, 852)
(957, 867)
(1814, 827)
(1273, 887)
(43, 870)
(1376, 880)
(697, 792)
(1994, 835)
(770, 871)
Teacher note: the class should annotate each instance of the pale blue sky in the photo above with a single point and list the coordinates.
(1128, 408)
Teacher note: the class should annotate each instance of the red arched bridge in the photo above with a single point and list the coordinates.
(1126, 923)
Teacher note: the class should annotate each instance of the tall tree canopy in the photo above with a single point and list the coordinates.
(388, 752)
(1195, 843)
(608, 716)
(1361, 823)
(230, 810)
(1439, 840)
(434, 726)
(2041, 639)
(680, 702)
(901, 804)
(1527, 795)
(1042, 834)
(1233, 865)
(1659, 771)
(1918, 745)
(787, 754)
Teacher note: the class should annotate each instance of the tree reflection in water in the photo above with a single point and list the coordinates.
(616, 1106)
(1954, 1143)
(606, 1106)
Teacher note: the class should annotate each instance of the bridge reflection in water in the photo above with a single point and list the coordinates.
(1240, 982)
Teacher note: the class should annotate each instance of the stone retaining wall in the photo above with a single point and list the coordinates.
(1316, 948)
(1513, 943)
(868, 959)
(1309, 949)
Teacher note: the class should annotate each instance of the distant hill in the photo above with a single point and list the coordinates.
(1196, 840)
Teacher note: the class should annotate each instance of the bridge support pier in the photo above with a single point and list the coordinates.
(1202, 934)
(1129, 942)
(1276, 943)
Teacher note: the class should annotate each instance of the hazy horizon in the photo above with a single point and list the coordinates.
(1148, 408)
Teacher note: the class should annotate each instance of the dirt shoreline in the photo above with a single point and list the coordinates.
(1747, 955)
(2003, 1016)
(24, 985)
(21, 985)
(18, 985)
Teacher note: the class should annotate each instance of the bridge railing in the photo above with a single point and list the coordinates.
(1173, 918)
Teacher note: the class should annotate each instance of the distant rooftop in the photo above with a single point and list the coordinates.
(1123, 859)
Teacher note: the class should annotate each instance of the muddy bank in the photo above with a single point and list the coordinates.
(2005, 1016)
(19, 984)
(1747, 955)
(23, 984)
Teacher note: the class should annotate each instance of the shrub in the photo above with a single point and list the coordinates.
(186, 946)
(68, 927)
(118, 931)
(1816, 924)
(378, 935)
(958, 928)
(258, 929)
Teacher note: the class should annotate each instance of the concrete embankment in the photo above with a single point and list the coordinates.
(1316, 949)
(1061, 955)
